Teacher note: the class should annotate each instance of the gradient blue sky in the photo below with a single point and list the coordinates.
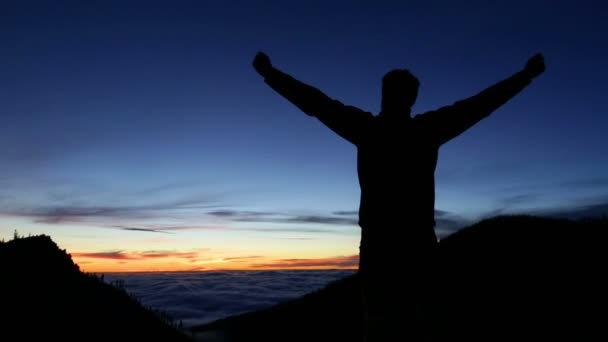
(131, 128)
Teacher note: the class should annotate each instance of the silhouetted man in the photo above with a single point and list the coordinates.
(396, 160)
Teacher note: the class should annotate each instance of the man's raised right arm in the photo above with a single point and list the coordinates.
(346, 121)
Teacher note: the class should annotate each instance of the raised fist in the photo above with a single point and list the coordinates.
(262, 63)
(535, 65)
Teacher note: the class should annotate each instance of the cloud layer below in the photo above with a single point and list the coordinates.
(202, 297)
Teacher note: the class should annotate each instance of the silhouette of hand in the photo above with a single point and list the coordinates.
(535, 65)
(262, 63)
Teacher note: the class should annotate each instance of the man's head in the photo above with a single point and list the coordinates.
(399, 92)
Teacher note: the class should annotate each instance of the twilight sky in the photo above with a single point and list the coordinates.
(138, 136)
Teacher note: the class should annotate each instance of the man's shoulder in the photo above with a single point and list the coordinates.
(433, 115)
(429, 113)
(423, 117)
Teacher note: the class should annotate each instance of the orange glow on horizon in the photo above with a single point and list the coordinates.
(191, 262)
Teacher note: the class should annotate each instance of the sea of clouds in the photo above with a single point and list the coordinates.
(201, 297)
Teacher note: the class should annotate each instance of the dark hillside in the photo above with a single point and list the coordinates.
(506, 278)
(45, 297)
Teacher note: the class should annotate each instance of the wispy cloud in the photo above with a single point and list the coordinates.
(537, 189)
(320, 219)
(575, 211)
(114, 255)
(147, 230)
(56, 215)
(144, 255)
(185, 214)
(339, 262)
(337, 218)
(107, 216)
(519, 199)
(514, 203)
(565, 199)
(228, 213)
(346, 213)
(441, 213)
(62, 214)
(169, 254)
(170, 228)
(243, 258)
(447, 222)
(165, 228)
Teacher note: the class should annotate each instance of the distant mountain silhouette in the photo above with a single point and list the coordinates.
(506, 278)
(45, 297)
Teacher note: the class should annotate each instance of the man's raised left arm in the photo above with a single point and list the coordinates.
(451, 121)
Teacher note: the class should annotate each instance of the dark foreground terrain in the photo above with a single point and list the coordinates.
(45, 297)
(507, 278)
